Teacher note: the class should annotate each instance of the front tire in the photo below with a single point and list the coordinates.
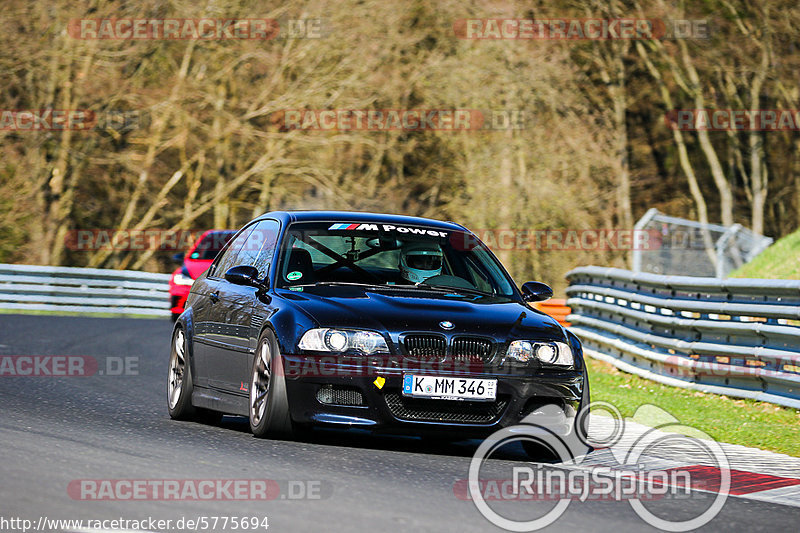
(536, 451)
(582, 420)
(269, 405)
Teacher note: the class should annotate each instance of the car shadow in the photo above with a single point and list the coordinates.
(365, 439)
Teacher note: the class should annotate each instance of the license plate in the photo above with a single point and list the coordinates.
(481, 390)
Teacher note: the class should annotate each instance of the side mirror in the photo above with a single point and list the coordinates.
(244, 275)
(178, 258)
(535, 291)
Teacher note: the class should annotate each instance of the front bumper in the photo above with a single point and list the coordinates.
(384, 408)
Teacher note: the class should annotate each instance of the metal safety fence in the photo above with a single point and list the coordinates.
(679, 246)
(83, 290)
(739, 337)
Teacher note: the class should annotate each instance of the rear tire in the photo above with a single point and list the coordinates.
(179, 379)
(269, 405)
(180, 387)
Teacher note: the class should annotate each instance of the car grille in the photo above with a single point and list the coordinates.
(454, 411)
(462, 349)
(425, 347)
(471, 349)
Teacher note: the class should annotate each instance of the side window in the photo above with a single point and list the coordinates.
(230, 257)
(259, 248)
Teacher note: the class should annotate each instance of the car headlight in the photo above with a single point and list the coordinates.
(553, 353)
(343, 340)
(182, 279)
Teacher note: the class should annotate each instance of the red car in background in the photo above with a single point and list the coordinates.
(194, 263)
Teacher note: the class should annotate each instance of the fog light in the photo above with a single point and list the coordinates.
(347, 396)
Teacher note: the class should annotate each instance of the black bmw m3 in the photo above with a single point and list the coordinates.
(385, 322)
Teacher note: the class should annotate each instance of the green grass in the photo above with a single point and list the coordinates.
(779, 261)
(736, 421)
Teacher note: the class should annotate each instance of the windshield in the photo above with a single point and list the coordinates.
(389, 255)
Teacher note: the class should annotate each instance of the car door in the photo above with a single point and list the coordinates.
(230, 355)
(211, 318)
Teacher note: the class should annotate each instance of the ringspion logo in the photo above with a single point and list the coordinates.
(624, 477)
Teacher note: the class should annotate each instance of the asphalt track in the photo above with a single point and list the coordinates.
(55, 430)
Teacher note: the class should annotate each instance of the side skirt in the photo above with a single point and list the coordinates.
(216, 400)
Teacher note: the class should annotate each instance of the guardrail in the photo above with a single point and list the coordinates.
(83, 290)
(739, 337)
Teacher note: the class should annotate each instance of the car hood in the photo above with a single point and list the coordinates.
(408, 310)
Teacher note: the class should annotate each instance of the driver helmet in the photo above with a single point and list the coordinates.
(420, 261)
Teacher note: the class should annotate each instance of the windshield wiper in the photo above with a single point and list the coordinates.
(416, 286)
(354, 284)
(448, 288)
(340, 283)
